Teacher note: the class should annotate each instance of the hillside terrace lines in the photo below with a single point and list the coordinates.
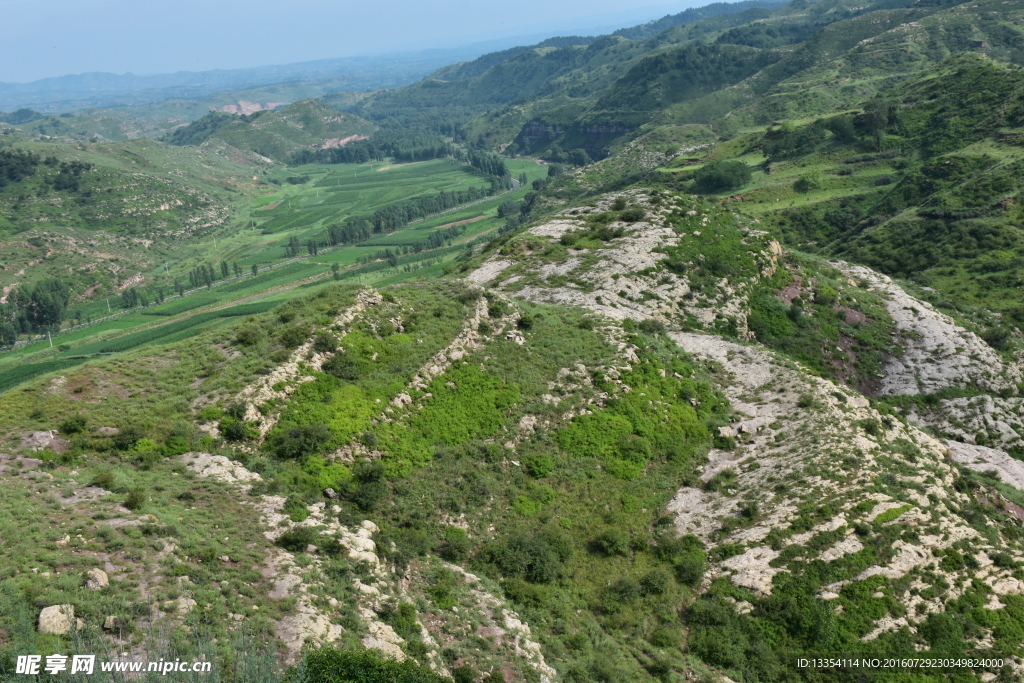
(316, 612)
(295, 369)
(469, 339)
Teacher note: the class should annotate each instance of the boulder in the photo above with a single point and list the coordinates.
(96, 579)
(331, 494)
(58, 620)
(112, 623)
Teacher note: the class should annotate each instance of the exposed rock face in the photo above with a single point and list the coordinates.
(58, 620)
(762, 384)
(981, 459)
(96, 579)
(219, 467)
(37, 441)
(309, 622)
(988, 420)
(938, 352)
(623, 279)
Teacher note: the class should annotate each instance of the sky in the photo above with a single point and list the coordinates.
(59, 37)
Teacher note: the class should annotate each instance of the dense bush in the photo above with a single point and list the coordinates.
(721, 176)
(454, 545)
(537, 557)
(301, 441)
(363, 666)
(136, 499)
(370, 484)
(297, 539)
(73, 425)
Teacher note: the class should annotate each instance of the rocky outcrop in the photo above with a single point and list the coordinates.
(96, 579)
(59, 620)
(623, 278)
(283, 379)
(219, 467)
(938, 352)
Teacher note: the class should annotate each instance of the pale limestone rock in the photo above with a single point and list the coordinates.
(982, 459)
(751, 569)
(219, 467)
(939, 353)
(488, 271)
(58, 620)
(848, 545)
(96, 579)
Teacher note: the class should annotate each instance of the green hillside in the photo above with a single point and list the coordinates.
(690, 352)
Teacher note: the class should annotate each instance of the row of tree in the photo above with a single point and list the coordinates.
(133, 297)
(400, 146)
(397, 216)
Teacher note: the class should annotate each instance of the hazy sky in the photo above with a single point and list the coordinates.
(57, 37)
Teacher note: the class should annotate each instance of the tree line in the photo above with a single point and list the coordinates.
(400, 146)
(391, 218)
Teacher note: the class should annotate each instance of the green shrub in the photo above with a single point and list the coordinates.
(454, 545)
(232, 429)
(249, 336)
(540, 465)
(370, 484)
(300, 441)
(807, 183)
(296, 508)
(612, 542)
(722, 176)
(594, 435)
(651, 326)
(297, 539)
(295, 336)
(363, 666)
(346, 366)
(402, 618)
(825, 296)
(126, 438)
(136, 499)
(331, 546)
(209, 414)
(175, 445)
(536, 557)
(325, 342)
(527, 506)
(656, 582)
(632, 215)
(104, 480)
(73, 425)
